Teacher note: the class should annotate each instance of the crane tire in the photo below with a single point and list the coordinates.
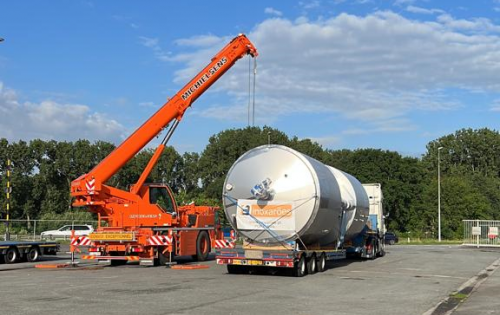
(202, 246)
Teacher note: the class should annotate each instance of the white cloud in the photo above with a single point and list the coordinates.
(403, 2)
(477, 25)
(272, 11)
(419, 10)
(199, 41)
(307, 5)
(495, 107)
(52, 120)
(327, 141)
(370, 69)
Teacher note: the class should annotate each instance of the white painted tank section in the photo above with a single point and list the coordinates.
(273, 193)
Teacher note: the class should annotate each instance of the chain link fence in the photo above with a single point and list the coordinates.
(30, 230)
(481, 233)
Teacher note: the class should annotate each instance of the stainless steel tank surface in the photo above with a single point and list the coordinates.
(274, 194)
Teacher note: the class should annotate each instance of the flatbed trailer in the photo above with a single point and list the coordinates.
(240, 259)
(31, 251)
(292, 255)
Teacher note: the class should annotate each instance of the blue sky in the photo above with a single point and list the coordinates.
(347, 74)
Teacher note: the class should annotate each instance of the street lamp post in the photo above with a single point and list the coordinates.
(439, 194)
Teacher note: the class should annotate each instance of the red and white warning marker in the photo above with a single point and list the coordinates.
(90, 185)
(158, 240)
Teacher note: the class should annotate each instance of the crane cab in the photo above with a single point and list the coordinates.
(162, 196)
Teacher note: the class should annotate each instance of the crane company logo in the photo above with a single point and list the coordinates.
(204, 78)
(143, 216)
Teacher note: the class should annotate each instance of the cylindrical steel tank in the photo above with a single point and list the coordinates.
(274, 194)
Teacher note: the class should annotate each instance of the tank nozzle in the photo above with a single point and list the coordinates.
(261, 191)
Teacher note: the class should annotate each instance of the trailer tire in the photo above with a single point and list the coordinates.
(321, 263)
(312, 267)
(299, 269)
(33, 254)
(11, 255)
(373, 250)
(202, 246)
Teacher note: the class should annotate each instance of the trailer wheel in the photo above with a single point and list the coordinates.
(373, 250)
(321, 263)
(33, 254)
(381, 252)
(202, 246)
(311, 265)
(11, 256)
(300, 267)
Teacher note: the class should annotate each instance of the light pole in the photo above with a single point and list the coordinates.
(439, 194)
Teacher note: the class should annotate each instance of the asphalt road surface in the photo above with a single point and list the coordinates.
(408, 280)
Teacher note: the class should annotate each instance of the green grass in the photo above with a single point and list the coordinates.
(404, 241)
(458, 296)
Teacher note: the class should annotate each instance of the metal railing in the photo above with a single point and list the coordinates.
(481, 233)
(30, 230)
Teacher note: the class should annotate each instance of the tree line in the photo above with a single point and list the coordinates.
(469, 160)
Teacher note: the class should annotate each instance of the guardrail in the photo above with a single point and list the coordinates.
(481, 233)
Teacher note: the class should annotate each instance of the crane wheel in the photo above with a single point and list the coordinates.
(202, 246)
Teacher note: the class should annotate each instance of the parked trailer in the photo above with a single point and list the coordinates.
(294, 212)
(17, 251)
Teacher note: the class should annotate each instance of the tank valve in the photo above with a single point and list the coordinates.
(262, 191)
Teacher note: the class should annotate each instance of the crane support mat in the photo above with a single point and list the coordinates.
(68, 267)
(190, 267)
(52, 266)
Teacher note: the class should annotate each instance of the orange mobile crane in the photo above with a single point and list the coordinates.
(145, 224)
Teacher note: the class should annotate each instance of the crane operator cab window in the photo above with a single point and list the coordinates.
(161, 197)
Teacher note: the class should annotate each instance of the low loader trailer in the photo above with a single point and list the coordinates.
(31, 251)
(292, 211)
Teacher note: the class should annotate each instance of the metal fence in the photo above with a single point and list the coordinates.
(29, 230)
(483, 233)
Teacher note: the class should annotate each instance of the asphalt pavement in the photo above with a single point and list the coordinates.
(409, 280)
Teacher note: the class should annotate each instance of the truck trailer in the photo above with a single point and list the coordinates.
(31, 251)
(291, 211)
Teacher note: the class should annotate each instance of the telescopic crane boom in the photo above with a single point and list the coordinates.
(88, 186)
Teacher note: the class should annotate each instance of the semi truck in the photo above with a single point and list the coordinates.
(145, 224)
(31, 251)
(292, 211)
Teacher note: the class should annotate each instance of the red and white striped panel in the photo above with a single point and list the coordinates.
(223, 244)
(90, 185)
(157, 240)
(81, 241)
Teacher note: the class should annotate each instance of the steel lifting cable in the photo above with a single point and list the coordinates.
(254, 83)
